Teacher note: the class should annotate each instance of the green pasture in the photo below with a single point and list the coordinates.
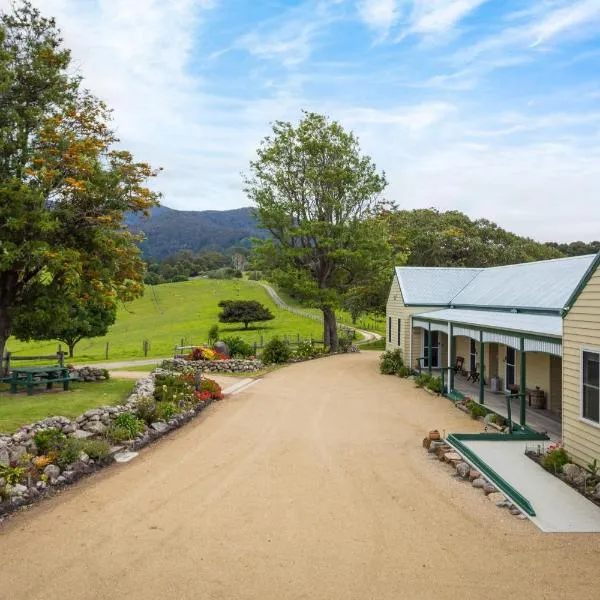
(171, 313)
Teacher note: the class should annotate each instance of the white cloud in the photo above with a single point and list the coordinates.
(380, 15)
(585, 12)
(440, 16)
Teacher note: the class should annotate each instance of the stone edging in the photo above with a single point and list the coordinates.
(93, 422)
(232, 365)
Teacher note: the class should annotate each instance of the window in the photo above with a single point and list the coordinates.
(399, 332)
(590, 390)
(390, 330)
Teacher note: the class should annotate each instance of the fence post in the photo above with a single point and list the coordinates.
(8, 355)
(145, 347)
(106, 352)
(254, 348)
(262, 343)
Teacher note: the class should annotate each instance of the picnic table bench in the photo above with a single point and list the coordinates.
(30, 377)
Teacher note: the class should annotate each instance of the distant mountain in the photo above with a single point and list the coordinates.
(168, 230)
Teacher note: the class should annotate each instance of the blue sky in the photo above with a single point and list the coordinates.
(490, 107)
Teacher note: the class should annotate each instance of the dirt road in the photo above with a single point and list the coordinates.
(310, 484)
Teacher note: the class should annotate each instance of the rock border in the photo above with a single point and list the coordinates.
(232, 365)
(86, 425)
(463, 471)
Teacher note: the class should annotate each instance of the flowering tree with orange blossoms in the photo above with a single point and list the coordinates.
(64, 186)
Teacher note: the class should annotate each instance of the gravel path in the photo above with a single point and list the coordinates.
(289, 491)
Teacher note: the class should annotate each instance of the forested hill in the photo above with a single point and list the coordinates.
(168, 231)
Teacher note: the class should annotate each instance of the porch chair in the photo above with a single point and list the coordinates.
(459, 364)
(474, 375)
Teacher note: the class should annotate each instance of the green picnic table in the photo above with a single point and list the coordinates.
(31, 376)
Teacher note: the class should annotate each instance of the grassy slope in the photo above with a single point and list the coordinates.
(20, 409)
(168, 313)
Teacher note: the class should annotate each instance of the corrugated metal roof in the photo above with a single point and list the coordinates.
(544, 285)
(432, 285)
(546, 325)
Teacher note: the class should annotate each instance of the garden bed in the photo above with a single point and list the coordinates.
(44, 457)
(580, 479)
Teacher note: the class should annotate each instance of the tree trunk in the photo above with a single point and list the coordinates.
(330, 336)
(4, 331)
(71, 349)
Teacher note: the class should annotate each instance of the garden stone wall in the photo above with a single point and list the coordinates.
(233, 365)
(88, 373)
(92, 423)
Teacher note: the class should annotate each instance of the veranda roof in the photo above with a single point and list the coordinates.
(517, 323)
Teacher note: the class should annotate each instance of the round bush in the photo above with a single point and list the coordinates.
(276, 352)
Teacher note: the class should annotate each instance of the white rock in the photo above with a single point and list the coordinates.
(123, 457)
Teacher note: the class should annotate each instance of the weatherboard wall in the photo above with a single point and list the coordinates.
(581, 330)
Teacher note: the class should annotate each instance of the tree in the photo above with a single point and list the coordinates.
(244, 311)
(51, 318)
(64, 188)
(318, 196)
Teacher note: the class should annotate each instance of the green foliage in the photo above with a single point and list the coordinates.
(374, 345)
(166, 411)
(213, 335)
(276, 351)
(69, 452)
(146, 410)
(172, 388)
(211, 387)
(422, 380)
(106, 374)
(238, 348)
(64, 187)
(435, 385)
(130, 423)
(391, 362)
(244, 311)
(431, 238)
(307, 349)
(12, 474)
(556, 459)
(576, 248)
(404, 372)
(318, 196)
(477, 410)
(49, 440)
(117, 434)
(344, 343)
(593, 467)
(95, 449)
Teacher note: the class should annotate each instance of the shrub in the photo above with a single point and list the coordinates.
(213, 335)
(12, 474)
(307, 349)
(435, 384)
(49, 440)
(95, 449)
(476, 409)
(404, 372)
(166, 411)
(106, 374)
(276, 351)
(344, 342)
(173, 388)
(146, 410)
(69, 452)
(556, 459)
(117, 434)
(422, 380)
(238, 348)
(390, 362)
(130, 423)
(212, 387)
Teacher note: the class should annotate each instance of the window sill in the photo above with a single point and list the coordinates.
(590, 423)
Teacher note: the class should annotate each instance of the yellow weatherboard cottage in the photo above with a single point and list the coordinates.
(530, 330)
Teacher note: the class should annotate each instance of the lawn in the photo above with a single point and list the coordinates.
(19, 409)
(171, 313)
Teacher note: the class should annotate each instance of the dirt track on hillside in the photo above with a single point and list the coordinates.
(311, 484)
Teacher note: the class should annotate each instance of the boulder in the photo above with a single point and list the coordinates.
(16, 490)
(474, 475)
(463, 469)
(52, 472)
(478, 483)
(17, 452)
(95, 427)
(497, 498)
(159, 426)
(571, 471)
(488, 488)
(81, 435)
(4, 457)
(222, 348)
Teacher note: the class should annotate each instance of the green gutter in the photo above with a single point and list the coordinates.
(515, 496)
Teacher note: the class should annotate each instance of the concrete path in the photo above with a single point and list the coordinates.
(558, 507)
(310, 484)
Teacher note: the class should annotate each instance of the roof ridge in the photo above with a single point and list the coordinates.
(538, 262)
(466, 286)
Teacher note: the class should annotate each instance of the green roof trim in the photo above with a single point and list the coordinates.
(582, 284)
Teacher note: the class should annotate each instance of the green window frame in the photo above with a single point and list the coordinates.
(399, 332)
(390, 330)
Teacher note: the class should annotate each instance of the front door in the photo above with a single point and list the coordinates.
(473, 357)
(510, 367)
(435, 349)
